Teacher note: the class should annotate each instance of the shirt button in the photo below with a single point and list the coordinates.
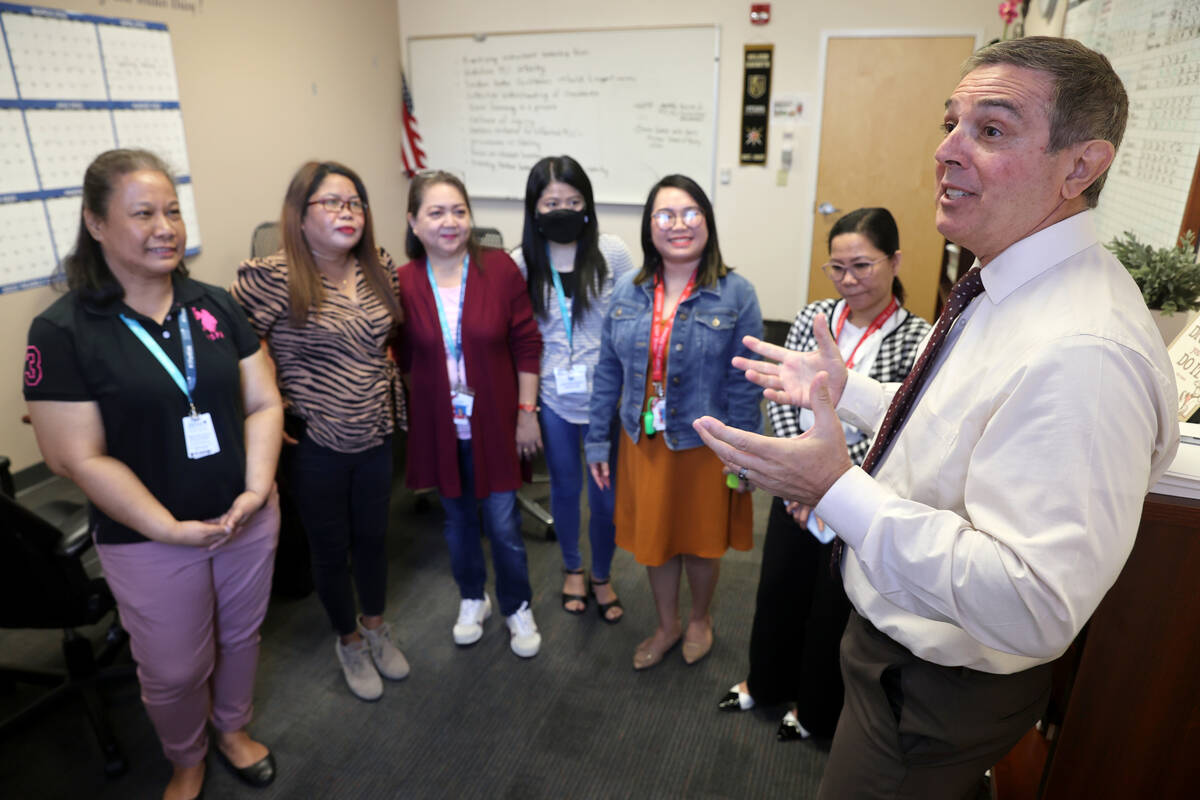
(679, 346)
(675, 380)
(716, 322)
(166, 334)
(683, 315)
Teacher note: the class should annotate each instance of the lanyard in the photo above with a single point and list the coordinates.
(453, 343)
(562, 300)
(660, 327)
(189, 353)
(875, 325)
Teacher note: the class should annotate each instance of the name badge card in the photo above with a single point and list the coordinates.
(571, 380)
(462, 403)
(658, 411)
(200, 436)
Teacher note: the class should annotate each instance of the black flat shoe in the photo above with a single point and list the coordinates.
(574, 598)
(603, 608)
(259, 774)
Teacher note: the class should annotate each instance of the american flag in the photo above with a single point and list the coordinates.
(410, 142)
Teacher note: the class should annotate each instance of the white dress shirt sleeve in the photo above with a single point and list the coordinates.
(1054, 485)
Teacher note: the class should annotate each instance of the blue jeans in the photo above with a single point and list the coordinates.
(502, 523)
(564, 458)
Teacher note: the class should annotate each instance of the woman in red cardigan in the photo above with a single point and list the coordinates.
(470, 353)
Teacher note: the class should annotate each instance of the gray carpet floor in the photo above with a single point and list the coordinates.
(576, 721)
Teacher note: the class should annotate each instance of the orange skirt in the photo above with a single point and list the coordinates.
(671, 503)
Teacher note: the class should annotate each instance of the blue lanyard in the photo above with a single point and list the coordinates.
(453, 345)
(189, 354)
(562, 301)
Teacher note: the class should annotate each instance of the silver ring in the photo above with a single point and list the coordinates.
(742, 474)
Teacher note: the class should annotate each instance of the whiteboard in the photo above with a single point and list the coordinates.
(1154, 46)
(72, 86)
(629, 105)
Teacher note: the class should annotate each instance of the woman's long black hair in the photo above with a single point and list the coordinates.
(590, 267)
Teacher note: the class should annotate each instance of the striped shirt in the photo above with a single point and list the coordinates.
(556, 352)
(334, 372)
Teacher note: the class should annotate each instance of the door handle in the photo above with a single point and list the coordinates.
(826, 209)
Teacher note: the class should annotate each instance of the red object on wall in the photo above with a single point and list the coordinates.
(760, 13)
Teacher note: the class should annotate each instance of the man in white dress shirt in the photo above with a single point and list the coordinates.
(1008, 502)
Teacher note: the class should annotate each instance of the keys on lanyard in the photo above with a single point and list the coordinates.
(199, 434)
(655, 416)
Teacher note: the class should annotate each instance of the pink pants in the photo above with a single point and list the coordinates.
(193, 617)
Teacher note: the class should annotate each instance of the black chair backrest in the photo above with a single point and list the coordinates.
(489, 237)
(40, 587)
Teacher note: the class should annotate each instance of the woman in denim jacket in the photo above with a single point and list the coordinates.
(664, 361)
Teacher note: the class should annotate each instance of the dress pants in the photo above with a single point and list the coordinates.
(193, 616)
(799, 614)
(914, 729)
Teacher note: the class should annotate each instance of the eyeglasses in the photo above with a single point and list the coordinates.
(334, 205)
(665, 218)
(859, 269)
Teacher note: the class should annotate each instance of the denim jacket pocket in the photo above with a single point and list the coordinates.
(715, 327)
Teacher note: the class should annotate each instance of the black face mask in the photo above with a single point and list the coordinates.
(561, 225)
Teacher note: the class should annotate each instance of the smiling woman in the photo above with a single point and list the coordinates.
(665, 352)
(152, 384)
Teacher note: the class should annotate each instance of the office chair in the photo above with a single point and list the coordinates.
(265, 240)
(491, 237)
(43, 585)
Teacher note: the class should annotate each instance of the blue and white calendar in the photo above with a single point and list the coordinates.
(72, 86)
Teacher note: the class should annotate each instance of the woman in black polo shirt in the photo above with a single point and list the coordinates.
(149, 391)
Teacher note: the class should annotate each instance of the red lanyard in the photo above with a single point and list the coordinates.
(660, 327)
(875, 325)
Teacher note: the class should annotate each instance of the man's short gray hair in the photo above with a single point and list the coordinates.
(1088, 100)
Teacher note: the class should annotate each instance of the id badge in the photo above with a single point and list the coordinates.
(200, 436)
(658, 412)
(571, 380)
(462, 401)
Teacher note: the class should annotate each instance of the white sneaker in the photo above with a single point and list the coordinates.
(388, 659)
(361, 675)
(471, 614)
(526, 641)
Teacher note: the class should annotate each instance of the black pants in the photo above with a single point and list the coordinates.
(343, 500)
(799, 615)
(913, 729)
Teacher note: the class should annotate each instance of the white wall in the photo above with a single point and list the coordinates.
(264, 86)
(765, 229)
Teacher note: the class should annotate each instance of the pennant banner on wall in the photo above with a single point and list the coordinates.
(756, 96)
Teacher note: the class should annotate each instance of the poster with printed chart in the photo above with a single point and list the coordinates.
(1154, 46)
(72, 86)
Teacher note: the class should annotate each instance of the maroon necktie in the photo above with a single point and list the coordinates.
(961, 295)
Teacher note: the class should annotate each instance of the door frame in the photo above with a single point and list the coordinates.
(819, 116)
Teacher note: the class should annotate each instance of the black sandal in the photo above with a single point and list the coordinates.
(602, 608)
(578, 598)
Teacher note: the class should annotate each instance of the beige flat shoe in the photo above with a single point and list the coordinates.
(647, 655)
(694, 651)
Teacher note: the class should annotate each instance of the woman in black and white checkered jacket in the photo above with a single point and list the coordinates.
(801, 607)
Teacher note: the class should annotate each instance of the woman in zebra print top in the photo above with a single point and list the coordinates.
(326, 306)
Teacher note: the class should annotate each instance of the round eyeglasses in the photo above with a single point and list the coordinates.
(859, 269)
(334, 205)
(665, 218)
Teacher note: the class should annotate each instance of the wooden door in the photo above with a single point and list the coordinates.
(884, 99)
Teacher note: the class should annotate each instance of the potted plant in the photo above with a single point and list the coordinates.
(1169, 278)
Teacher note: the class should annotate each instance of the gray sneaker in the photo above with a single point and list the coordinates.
(388, 659)
(361, 675)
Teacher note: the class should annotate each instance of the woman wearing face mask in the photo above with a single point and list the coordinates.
(470, 354)
(801, 608)
(326, 305)
(571, 270)
(149, 390)
(664, 361)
